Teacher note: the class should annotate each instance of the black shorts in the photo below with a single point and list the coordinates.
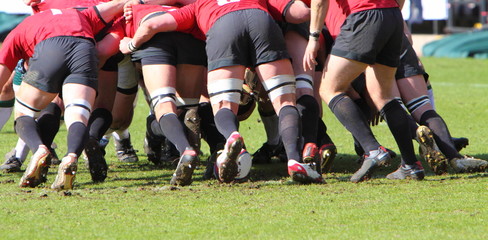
(409, 62)
(247, 37)
(371, 36)
(171, 48)
(60, 60)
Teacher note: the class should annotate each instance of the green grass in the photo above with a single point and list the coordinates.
(137, 202)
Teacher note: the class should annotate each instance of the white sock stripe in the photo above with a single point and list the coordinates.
(228, 96)
(161, 95)
(279, 85)
(225, 85)
(304, 84)
(163, 91)
(26, 109)
(280, 91)
(304, 81)
(74, 110)
(271, 83)
(416, 103)
(78, 103)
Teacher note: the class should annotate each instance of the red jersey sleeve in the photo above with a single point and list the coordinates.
(118, 27)
(94, 19)
(185, 17)
(11, 51)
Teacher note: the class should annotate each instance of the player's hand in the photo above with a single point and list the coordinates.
(376, 119)
(31, 3)
(123, 45)
(309, 61)
(128, 11)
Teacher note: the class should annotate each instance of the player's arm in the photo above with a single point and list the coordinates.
(161, 23)
(111, 9)
(4, 76)
(128, 6)
(107, 47)
(318, 12)
(163, 2)
(31, 3)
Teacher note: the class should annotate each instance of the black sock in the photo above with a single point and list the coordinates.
(413, 126)
(226, 122)
(309, 111)
(441, 133)
(363, 105)
(322, 136)
(208, 129)
(397, 120)
(173, 130)
(289, 121)
(27, 129)
(100, 121)
(153, 128)
(77, 138)
(49, 122)
(351, 117)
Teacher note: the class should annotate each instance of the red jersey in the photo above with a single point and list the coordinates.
(20, 42)
(276, 8)
(204, 13)
(61, 4)
(140, 12)
(79, 5)
(340, 9)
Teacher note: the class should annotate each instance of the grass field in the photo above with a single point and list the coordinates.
(137, 202)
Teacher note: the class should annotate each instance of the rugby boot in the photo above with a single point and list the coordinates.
(125, 151)
(327, 154)
(430, 152)
(96, 161)
(303, 173)
(37, 169)
(12, 164)
(184, 170)
(227, 161)
(375, 159)
(415, 172)
(265, 153)
(468, 164)
(66, 173)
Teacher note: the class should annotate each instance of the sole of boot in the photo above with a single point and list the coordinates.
(436, 160)
(96, 163)
(37, 175)
(229, 169)
(65, 178)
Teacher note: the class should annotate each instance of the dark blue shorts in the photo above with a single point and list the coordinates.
(409, 62)
(171, 48)
(247, 37)
(371, 36)
(60, 60)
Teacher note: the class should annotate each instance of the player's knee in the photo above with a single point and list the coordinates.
(228, 90)
(78, 110)
(417, 103)
(166, 96)
(279, 85)
(24, 109)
